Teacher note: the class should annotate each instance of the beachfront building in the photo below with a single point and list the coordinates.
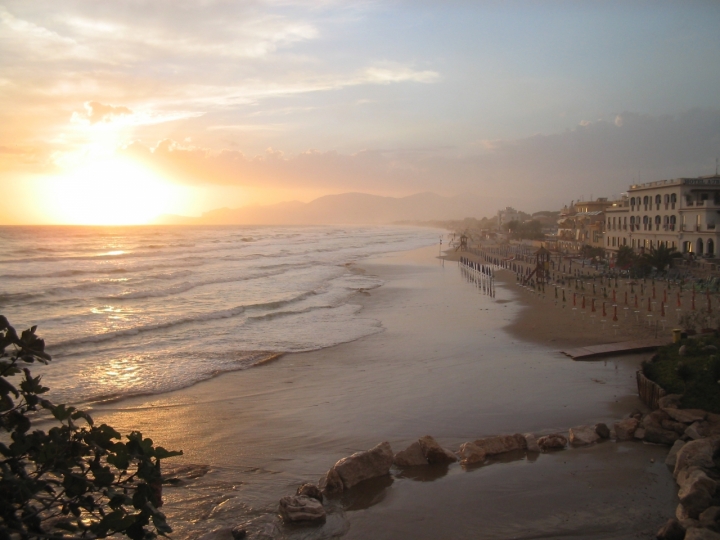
(506, 216)
(580, 224)
(683, 213)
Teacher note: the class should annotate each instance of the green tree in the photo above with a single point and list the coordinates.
(76, 480)
(625, 257)
(660, 257)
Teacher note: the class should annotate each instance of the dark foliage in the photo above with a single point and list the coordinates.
(76, 480)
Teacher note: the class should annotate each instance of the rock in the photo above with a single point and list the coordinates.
(301, 509)
(639, 433)
(331, 484)
(672, 425)
(689, 523)
(239, 532)
(412, 456)
(697, 430)
(656, 419)
(660, 436)
(552, 442)
(471, 454)
(583, 435)
(709, 518)
(699, 533)
(682, 351)
(434, 453)
(365, 465)
(694, 454)
(602, 430)
(672, 530)
(670, 401)
(637, 414)
(531, 441)
(310, 490)
(502, 443)
(686, 416)
(625, 429)
(221, 533)
(696, 491)
(672, 455)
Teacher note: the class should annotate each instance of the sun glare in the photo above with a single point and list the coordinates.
(109, 192)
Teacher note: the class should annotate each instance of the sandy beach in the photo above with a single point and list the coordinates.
(451, 362)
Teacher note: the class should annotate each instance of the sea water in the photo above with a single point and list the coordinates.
(141, 310)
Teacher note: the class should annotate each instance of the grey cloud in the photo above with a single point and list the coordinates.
(600, 158)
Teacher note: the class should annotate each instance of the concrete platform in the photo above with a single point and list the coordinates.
(624, 347)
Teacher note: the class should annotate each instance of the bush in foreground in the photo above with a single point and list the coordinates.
(77, 480)
(696, 375)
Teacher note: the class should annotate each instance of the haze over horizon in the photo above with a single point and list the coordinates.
(119, 112)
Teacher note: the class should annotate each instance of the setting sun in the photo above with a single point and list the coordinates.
(109, 192)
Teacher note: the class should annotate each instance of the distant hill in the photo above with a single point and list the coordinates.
(348, 209)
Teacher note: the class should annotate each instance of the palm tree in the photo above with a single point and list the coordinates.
(661, 257)
(625, 257)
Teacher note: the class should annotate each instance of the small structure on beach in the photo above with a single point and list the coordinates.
(542, 268)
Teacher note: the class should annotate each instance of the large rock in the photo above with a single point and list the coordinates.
(686, 416)
(301, 509)
(695, 454)
(412, 456)
(670, 401)
(434, 453)
(660, 436)
(672, 455)
(698, 533)
(656, 419)
(552, 442)
(710, 518)
(531, 442)
(502, 443)
(471, 454)
(310, 490)
(331, 484)
(696, 491)
(602, 430)
(365, 465)
(583, 435)
(697, 430)
(625, 429)
(672, 425)
(672, 530)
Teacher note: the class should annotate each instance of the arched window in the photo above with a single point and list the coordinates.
(646, 222)
(673, 222)
(710, 247)
(699, 246)
(658, 200)
(632, 201)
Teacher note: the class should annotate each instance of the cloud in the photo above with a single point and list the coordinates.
(97, 112)
(600, 158)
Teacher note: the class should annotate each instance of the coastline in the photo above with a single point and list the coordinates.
(448, 363)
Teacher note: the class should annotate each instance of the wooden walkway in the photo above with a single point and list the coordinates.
(624, 347)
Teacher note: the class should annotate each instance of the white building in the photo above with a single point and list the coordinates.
(506, 216)
(683, 213)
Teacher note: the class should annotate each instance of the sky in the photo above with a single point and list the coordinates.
(116, 111)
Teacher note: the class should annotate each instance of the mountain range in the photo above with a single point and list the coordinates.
(347, 209)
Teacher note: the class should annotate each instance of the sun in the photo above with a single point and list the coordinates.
(110, 191)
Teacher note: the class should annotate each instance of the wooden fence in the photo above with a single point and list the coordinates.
(649, 391)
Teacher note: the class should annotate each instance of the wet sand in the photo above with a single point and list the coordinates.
(448, 363)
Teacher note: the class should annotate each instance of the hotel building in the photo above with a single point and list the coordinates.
(683, 213)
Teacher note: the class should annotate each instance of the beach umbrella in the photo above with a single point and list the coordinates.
(626, 295)
(665, 296)
(636, 301)
(583, 301)
(592, 305)
(653, 289)
(679, 303)
(662, 309)
(614, 297)
(693, 301)
(574, 300)
(563, 296)
(649, 304)
(604, 312)
(615, 314)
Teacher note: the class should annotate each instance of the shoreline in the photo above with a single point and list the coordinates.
(440, 367)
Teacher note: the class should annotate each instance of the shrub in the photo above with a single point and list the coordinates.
(76, 480)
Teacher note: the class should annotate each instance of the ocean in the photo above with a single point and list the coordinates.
(145, 310)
